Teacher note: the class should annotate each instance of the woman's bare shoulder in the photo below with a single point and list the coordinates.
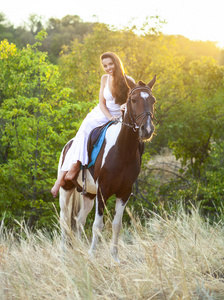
(104, 79)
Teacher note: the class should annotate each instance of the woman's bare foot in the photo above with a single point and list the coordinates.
(58, 183)
(73, 171)
(55, 188)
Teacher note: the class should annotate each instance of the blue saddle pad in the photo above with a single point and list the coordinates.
(98, 145)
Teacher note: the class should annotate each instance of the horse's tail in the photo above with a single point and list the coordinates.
(70, 204)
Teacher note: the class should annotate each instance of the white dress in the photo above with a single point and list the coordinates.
(78, 150)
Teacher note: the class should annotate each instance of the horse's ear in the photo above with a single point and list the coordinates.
(152, 82)
(130, 83)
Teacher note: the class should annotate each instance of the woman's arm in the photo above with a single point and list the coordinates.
(102, 101)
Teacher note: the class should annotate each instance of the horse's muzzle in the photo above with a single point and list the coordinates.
(146, 131)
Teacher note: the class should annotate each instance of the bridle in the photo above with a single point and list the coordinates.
(133, 119)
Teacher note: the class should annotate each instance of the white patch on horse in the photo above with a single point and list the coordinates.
(148, 127)
(111, 138)
(144, 95)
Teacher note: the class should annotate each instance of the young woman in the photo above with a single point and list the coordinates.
(112, 100)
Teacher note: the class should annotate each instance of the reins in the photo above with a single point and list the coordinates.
(126, 124)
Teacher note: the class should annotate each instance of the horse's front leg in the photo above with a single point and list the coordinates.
(116, 226)
(98, 221)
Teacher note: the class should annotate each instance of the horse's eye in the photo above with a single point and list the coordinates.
(133, 100)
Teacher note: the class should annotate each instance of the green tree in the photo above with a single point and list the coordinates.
(36, 118)
(6, 29)
(191, 114)
(63, 32)
(195, 120)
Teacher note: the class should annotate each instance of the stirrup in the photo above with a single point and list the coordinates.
(83, 181)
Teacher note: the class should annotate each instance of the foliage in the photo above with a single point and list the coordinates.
(191, 121)
(60, 32)
(36, 118)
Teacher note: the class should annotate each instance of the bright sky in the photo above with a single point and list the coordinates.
(195, 19)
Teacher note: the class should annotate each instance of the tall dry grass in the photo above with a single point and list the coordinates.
(171, 257)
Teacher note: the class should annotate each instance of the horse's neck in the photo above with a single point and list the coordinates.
(128, 139)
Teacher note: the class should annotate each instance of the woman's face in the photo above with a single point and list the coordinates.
(108, 65)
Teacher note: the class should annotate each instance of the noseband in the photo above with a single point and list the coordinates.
(130, 111)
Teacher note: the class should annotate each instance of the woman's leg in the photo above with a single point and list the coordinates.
(58, 183)
(73, 170)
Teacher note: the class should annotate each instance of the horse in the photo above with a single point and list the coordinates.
(115, 170)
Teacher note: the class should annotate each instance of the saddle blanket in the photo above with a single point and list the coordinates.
(99, 142)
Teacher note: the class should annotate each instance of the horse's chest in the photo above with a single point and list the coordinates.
(118, 170)
(116, 167)
(111, 139)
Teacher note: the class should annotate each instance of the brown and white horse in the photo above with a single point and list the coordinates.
(116, 169)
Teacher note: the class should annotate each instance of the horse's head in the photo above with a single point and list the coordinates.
(140, 108)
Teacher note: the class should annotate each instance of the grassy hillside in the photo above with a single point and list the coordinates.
(174, 257)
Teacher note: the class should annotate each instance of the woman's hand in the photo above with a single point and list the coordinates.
(114, 118)
(123, 107)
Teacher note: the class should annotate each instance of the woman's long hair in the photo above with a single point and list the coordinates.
(120, 86)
